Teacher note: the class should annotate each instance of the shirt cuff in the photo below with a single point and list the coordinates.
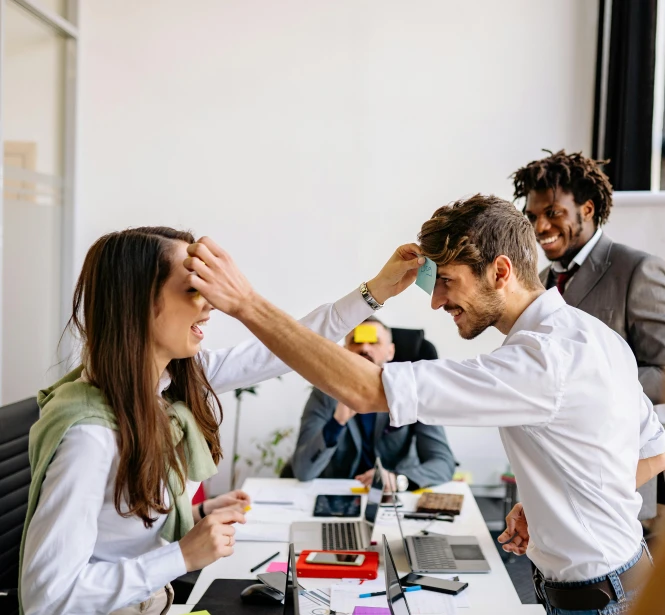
(331, 432)
(353, 309)
(399, 384)
(654, 447)
(162, 566)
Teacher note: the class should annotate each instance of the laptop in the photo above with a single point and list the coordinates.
(292, 590)
(394, 592)
(341, 535)
(437, 553)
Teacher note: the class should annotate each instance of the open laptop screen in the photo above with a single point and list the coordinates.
(375, 493)
(394, 592)
(291, 600)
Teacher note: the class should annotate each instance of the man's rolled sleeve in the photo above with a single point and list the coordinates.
(652, 434)
(399, 384)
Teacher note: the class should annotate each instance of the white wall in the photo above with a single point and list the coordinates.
(311, 138)
(32, 106)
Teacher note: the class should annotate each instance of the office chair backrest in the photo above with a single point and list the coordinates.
(411, 345)
(15, 422)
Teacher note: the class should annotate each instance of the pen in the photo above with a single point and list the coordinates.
(265, 561)
(412, 588)
(274, 503)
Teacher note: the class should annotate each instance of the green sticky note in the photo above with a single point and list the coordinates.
(427, 276)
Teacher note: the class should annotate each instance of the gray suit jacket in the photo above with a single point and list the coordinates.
(625, 288)
(418, 451)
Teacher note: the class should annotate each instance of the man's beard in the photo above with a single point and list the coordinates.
(491, 308)
(573, 242)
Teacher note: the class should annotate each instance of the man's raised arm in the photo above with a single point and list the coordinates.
(343, 375)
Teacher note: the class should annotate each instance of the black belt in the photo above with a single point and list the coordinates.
(596, 595)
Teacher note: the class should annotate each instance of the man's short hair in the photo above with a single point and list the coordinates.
(374, 319)
(475, 231)
(573, 173)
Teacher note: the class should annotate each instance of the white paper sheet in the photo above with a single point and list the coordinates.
(344, 598)
(262, 532)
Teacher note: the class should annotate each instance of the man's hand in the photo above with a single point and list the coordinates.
(210, 539)
(217, 277)
(389, 482)
(398, 273)
(517, 529)
(343, 414)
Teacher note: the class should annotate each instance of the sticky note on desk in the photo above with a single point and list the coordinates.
(427, 276)
(365, 334)
(278, 567)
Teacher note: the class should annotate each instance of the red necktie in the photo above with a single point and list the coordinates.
(563, 277)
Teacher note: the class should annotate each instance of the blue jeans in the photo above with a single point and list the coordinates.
(623, 603)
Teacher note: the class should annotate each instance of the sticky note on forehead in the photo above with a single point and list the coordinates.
(365, 334)
(427, 276)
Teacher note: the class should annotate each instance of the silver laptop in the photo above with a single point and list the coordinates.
(437, 553)
(341, 535)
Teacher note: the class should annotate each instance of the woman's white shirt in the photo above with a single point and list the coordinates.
(81, 556)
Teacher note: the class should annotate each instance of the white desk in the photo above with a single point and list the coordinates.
(487, 594)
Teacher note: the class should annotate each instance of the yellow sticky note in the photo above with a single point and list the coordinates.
(365, 334)
(359, 490)
(248, 508)
(423, 490)
(199, 613)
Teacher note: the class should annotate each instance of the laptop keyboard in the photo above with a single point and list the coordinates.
(433, 553)
(339, 536)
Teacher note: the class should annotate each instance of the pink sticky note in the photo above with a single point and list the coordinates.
(278, 567)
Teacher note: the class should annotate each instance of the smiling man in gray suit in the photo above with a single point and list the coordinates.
(335, 442)
(568, 199)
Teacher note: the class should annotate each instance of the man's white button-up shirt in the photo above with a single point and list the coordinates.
(574, 421)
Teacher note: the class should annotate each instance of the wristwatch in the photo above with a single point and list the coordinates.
(367, 296)
(401, 482)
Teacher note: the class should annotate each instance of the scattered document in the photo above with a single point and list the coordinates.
(344, 599)
(262, 532)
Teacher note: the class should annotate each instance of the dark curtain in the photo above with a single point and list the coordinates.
(630, 83)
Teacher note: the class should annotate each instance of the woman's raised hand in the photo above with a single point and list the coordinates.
(398, 273)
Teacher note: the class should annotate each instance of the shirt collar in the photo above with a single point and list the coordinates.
(164, 382)
(545, 305)
(581, 256)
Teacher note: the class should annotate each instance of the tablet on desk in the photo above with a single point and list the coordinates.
(337, 506)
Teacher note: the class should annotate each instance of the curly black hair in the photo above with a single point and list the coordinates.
(572, 173)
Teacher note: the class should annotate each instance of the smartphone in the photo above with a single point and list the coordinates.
(434, 584)
(337, 506)
(387, 500)
(335, 559)
(276, 580)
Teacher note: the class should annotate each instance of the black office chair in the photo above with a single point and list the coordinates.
(410, 345)
(15, 422)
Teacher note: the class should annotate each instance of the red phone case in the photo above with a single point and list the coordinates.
(368, 570)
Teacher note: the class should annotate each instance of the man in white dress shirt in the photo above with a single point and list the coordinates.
(563, 388)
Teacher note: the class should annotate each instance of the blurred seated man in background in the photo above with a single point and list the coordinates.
(335, 442)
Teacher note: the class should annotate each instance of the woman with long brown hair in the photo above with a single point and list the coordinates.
(124, 440)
